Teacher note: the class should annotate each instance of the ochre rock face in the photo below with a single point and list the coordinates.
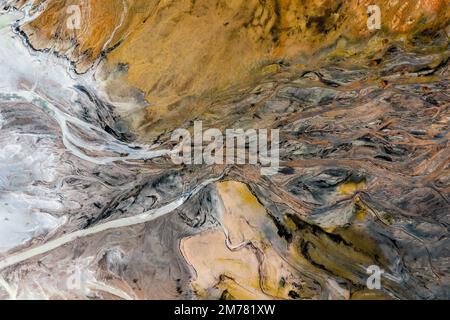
(177, 49)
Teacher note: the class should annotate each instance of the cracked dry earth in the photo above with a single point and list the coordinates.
(92, 207)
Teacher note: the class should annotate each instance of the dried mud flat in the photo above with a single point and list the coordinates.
(91, 206)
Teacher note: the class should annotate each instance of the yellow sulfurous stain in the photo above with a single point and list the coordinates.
(289, 223)
(273, 68)
(360, 214)
(350, 188)
(345, 258)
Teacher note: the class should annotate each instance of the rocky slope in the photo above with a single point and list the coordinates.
(364, 146)
(177, 54)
